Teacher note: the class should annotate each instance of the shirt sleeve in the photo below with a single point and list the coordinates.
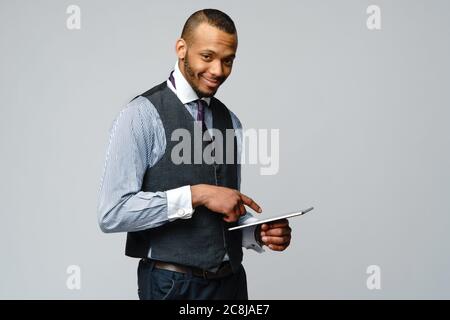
(179, 203)
(136, 142)
(248, 234)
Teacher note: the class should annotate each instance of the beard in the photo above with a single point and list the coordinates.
(191, 75)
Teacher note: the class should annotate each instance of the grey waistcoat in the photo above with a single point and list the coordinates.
(203, 240)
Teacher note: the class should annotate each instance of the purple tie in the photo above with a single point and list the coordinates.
(201, 104)
(172, 80)
(201, 109)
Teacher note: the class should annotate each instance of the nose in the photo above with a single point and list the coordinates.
(216, 69)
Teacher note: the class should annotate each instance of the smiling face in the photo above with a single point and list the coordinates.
(206, 58)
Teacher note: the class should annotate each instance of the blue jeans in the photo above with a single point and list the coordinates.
(159, 284)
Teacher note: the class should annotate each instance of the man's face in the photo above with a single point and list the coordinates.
(206, 61)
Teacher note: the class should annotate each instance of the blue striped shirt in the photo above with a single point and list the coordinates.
(136, 142)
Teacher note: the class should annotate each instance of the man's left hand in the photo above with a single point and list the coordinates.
(276, 235)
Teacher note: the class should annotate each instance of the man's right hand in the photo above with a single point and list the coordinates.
(223, 200)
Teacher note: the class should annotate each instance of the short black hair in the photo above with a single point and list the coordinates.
(213, 17)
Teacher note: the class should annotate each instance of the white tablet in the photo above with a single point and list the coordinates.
(289, 215)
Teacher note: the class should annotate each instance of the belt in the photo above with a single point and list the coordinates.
(223, 271)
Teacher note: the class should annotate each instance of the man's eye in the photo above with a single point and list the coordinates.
(229, 62)
(206, 57)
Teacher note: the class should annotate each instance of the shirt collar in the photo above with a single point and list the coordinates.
(184, 90)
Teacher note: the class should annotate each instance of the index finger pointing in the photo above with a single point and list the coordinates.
(249, 202)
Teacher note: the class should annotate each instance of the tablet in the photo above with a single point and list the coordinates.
(288, 215)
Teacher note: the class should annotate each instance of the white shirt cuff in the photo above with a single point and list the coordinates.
(179, 203)
(248, 236)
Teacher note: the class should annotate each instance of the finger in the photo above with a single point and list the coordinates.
(264, 227)
(241, 208)
(249, 202)
(278, 247)
(275, 240)
(236, 212)
(232, 214)
(278, 232)
(279, 223)
(243, 211)
(231, 217)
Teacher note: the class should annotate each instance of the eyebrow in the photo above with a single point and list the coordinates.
(213, 52)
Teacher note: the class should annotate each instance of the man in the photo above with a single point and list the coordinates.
(176, 214)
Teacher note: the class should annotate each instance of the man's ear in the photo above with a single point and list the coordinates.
(181, 48)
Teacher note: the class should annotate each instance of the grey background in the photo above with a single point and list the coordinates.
(364, 137)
